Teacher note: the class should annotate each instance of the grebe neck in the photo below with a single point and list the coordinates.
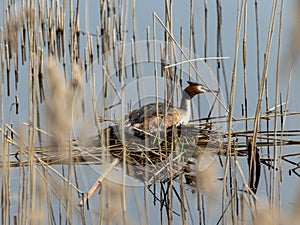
(185, 101)
(185, 107)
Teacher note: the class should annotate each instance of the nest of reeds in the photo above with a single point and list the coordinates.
(187, 141)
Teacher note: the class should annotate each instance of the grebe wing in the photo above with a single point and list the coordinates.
(139, 115)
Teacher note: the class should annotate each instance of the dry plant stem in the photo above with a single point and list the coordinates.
(194, 60)
(148, 42)
(191, 43)
(170, 93)
(3, 150)
(182, 197)
(276, 99)
(156, 102)
(99, 181)
(265, 72)
(31, 185)
(231, 103)
(4, 185)
(122, 76)
(245, 65)
(245, 182)
(146, 209)
(219, 18)
(282, 129)
(257, 46)
(205, 29)
(155, 77)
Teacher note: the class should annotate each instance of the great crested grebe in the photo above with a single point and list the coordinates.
(147, 120)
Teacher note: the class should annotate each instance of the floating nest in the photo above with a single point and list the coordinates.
(161, 158)
(186, 140)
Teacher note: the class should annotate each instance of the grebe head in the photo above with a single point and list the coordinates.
(196, 88)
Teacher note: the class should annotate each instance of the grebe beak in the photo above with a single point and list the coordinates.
(204, 89)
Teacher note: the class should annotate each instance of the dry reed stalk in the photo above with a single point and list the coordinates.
(41, 7)
(148, 42)
(58, 31)
(155, 73)
(99, 181)
(30, 186)
(193, 60)
(114, 44)
(5, 182)
(3, 145)
(15, 46)
(181, 47)
(276, 98)
(231, 105)
(244, 64)
(91, 54)
(86, 63)
(98, 44)
(205, 29)
(191, 39)
(7, 69)
(248, 189)
(122, 77)
(263, 82)
(220, 51)
(182, 197)
(257, 45)
(23, 34)
(192, 52)
(2, 57)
